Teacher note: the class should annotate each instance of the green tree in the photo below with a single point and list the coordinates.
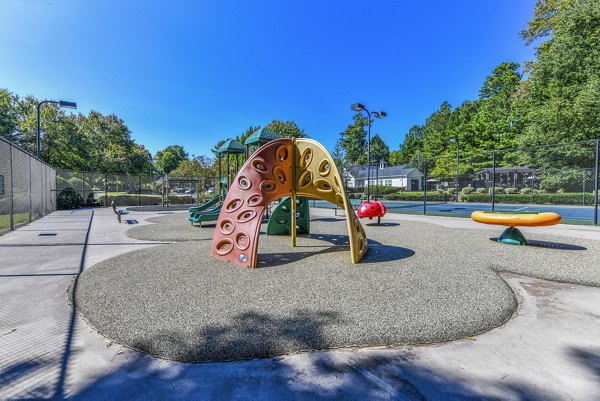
(338, 155)
(561, 96)
(8, 115)
(379, 150)
(413, 142)
(353, 140)
(544, 19)
(435, 134)
(287, 129)
(95, 142)
(189, 169)
(169, 158)
(251, 130)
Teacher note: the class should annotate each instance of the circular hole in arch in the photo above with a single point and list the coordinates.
(227, 226)
(224, 246)
(305, 179)
(243, 258)
(254, 200)
(234, 204)
(339, 198)
(242, 241)
(323, 185)
(246, 215)
(260, 166)
(306, 157)
(279, 175)
(268, 186)
(285, 208)
(281, 154)
(324, 168)
(244, 182)
(361, 243)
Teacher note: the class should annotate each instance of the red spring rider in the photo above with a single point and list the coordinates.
(371, 209)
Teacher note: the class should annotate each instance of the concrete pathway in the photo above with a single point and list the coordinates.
(548, 350)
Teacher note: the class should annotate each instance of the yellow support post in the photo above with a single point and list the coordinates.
(293, 200)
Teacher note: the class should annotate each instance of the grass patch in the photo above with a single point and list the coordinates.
(18, 219)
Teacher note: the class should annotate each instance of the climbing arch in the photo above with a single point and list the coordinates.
(283, 167)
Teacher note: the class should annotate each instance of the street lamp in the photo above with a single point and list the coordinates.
(455, 140)
(379, 114)
(61, 103)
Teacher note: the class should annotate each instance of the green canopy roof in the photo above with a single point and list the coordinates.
(231, 146)
(261, 136)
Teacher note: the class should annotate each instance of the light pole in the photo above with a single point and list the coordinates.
(379, 114)
(61, 103)
(455, 140)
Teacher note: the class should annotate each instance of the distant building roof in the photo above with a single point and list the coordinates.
(231, 146)
(393, 171)
(260, 137)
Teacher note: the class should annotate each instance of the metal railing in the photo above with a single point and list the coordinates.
(563, 178)
(26, 187)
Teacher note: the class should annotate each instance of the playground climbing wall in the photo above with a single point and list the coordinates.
(284, 167)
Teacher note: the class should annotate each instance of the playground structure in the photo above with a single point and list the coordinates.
(280, 220)
(282, 167)
(279, 225)
(512, 235)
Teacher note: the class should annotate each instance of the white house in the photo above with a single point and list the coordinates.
(396, 176)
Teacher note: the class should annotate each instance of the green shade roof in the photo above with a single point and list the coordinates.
(231, 146)
(261, 136)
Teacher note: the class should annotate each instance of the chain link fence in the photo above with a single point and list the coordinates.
(26, 187)
(100, 189)
(561, 178)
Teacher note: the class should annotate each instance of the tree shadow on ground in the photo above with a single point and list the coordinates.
(342, 374)
(550, 245)
(588, 359)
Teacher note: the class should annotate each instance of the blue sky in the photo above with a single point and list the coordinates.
(194, 72)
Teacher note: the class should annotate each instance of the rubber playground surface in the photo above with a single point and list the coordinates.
(583, 214)
(418, 283)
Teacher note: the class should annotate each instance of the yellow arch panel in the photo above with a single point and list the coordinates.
(317, 176)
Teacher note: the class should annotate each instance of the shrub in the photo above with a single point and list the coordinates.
(539, 198)
(481, 190)
(526, 190)
(91, 200)
(68, 198)
(498, 190)
(451, 190)
(511, 191)
(468, 190)
(417, 196)
(560, 191)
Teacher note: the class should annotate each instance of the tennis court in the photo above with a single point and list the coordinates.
(570, 214)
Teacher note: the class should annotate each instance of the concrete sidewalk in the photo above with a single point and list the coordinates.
(548, 350)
